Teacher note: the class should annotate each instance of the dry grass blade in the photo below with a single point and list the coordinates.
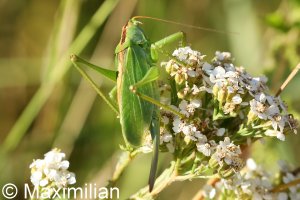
(289, 78)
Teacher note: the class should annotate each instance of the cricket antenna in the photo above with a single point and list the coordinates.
(184, 25)
(288, 79)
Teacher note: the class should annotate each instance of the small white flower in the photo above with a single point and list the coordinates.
(230, 89)
(220, 132)
(196, 103)
(44, 182)
(221, 56)
(165, 136)
(251, 165)
(282, 196)
(147, 148)
(195, 90)
(192, 73)
(187, 55)
(53, 157)
(183, 107)
(36, 177)
(205, 148)
(237, 99)
(207, 68)
(191, 132)
(217, 75)
(209, 191)
(165, 120)
(181, 53)
(274, 133)
(178, 125)
(71, 179)
(189, 109)
(226, 151)
(64, 164)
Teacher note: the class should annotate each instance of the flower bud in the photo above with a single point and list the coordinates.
(221, 96)
(181, 94)
(179, 79)
(226, 172)
(169, 67)
(215, 90)
(251, 117)
(187, 140)
(213, 163)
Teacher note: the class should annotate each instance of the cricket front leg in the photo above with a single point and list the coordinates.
(176, 37)
(157, 46)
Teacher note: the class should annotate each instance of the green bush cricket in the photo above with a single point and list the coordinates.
(135, 98)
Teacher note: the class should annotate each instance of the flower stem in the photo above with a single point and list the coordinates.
(168, 176)
(165, 179)
(124, 160)
(286, 186)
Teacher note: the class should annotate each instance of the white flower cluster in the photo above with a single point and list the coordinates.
(229, 153)
(269, 108)
(229, 92)
(189, 60)
(254, 183)
(52, 171)
(221, 106)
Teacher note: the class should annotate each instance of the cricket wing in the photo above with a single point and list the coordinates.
(135, 113)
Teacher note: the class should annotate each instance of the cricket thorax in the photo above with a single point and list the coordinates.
(132, 34)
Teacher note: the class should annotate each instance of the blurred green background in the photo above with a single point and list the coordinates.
(61, 110)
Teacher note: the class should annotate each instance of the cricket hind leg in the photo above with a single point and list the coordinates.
(110, 74)
(75, 59)
(175, 37)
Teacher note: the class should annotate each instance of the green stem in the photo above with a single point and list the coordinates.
(164, 180)
(123, 162)
(169, 176)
